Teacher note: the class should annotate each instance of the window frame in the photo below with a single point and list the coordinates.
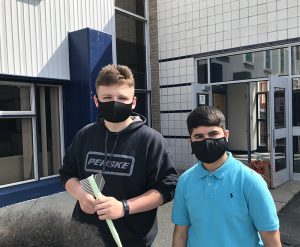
(145, 20)
(32, 115)
(246, 60)
(269, 69)
(32, 101)
(24, 115)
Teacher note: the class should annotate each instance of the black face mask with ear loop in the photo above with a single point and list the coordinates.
(209, 150)
(114, 111)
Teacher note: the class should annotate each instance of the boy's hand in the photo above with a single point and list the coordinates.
(109, 208)
(87, 203)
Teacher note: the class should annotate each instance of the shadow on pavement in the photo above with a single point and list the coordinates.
(289, 218)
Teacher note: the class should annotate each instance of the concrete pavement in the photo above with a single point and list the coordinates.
(64, 203)
(290, 223)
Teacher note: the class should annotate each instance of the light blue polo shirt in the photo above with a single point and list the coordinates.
(226, 207)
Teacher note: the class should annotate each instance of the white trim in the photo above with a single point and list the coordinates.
(237, 81)
(246, 51)
(16, 113)
(34, 148)
(31, 98)
(34, 137)
(17, 183)
(62, 133)
(128, 13)
(114, 38)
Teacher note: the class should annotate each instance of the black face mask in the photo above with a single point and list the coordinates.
(114, 111)
(209, 150)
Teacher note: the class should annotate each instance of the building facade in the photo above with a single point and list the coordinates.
(50, 55)
(242, 57)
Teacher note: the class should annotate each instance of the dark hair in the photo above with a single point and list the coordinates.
(115, 74)
(46, 229)
(205, 116)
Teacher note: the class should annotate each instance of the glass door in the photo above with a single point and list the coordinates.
(262, 123)
(279, 130)
(296, 128)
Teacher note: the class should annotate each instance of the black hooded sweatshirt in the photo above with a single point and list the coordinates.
(132, 162)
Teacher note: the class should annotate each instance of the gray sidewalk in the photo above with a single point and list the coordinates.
(64, 203)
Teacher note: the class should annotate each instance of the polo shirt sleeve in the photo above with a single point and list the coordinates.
(180, 215)
(262, 208)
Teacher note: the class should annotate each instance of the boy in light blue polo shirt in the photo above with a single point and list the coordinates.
(220, 201)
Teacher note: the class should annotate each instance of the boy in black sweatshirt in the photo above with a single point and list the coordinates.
(133, 158)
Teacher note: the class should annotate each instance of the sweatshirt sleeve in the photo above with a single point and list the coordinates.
(70, 162)
(161, 173)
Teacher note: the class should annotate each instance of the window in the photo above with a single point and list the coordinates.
(30, 143)
(48, 130)
(268, 61)
(202, 71)
(134, 6)
(249, 58)
(251, 65)
(296, 156)
(283, 60)
(296, 60)
(296, 102)
(16, 133)
(131, 46)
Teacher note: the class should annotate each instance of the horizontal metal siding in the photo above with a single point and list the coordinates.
(33, 33)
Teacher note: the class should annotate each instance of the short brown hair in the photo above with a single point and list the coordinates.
(115, 74)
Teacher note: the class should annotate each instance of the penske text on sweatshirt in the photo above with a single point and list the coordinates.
(132, 162)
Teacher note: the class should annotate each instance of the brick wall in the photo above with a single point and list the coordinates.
(155, 107)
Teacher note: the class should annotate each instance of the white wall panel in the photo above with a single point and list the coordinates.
(189, 27)
(33, 33)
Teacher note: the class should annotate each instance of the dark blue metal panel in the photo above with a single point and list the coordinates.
(100, 55)
(89, 50)
(31, 190)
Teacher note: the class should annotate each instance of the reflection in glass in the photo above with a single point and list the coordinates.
(249, 65)
(262, 133)
(283, 57)
(262, 106)
(279, 108)
(48, 130)
(296, 60)
(202, 71)
(134, 6)
(296, 102)
(249, 58)
(142, 103)
(131, 49)
(280, 154)
(16, 150)
(268, 63)
(263, 86)
(262, 116)
(296, 150)
(14, 98)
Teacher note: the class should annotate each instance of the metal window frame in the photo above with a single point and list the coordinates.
(145, 21)
(293, 131)
(32, 115)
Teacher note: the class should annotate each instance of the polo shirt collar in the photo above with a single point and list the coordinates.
(220, 172)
